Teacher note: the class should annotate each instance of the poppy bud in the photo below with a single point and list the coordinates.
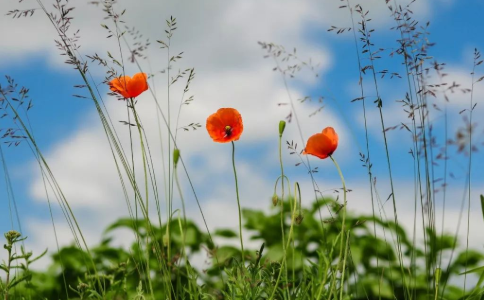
(176, 156)
(275, 199)
(165, 240)
(299, 219)
(282, 126)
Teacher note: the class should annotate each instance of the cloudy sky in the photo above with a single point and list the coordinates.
(220, 41)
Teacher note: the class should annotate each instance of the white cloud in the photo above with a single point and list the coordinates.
(217, 30)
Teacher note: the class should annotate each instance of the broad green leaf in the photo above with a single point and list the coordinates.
(227, 233)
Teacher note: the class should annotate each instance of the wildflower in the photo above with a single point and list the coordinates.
(129, 87)
(225, 125)
(322, 144)
(12, 235)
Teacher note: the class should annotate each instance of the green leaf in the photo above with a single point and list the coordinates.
(226, 252)
(192, 235)
(226, 233)
(17, 280)
(475, 270)
(38, 257)
(138, 226)
(275, 253)
(482, 205)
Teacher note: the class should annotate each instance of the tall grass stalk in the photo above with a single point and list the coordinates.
(471, 150)
(367, 43)
(67, 210)
(366, 160)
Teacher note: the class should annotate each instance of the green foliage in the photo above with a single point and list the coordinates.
(372, 270)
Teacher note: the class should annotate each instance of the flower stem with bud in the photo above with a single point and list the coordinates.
(282, 126)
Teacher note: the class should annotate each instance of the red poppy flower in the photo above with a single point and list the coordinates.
(225, 125)
(322, 144)
(129, 87)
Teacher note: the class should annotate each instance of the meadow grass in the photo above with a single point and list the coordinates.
(316, 251)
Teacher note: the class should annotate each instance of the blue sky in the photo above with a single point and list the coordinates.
(231, 72)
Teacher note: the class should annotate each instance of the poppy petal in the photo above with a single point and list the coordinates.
(331, 134)
(216, 128)
(137, 85)
(232, 118)
(118, 85)
(322, 144)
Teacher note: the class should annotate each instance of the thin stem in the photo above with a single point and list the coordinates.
(238, 201)
(379, 105)
(143, 153)
(471, 108)
(344, 263)
(343, 219)
(282, 189)
(293, 218)
(170, 170)
(284, 250)
(184, 215)
(313, 181)
(8, 270)
(368, 160)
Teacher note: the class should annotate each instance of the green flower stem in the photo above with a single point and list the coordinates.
(287, 182)
(340, 257)
(291, 229)
(344, 264)
(282, 199)
(184, 213)
(183, 235)
(143, 153)
(238, 201)
(282, 189)
(143, 150)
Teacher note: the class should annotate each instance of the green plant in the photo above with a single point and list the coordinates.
(17, 265)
